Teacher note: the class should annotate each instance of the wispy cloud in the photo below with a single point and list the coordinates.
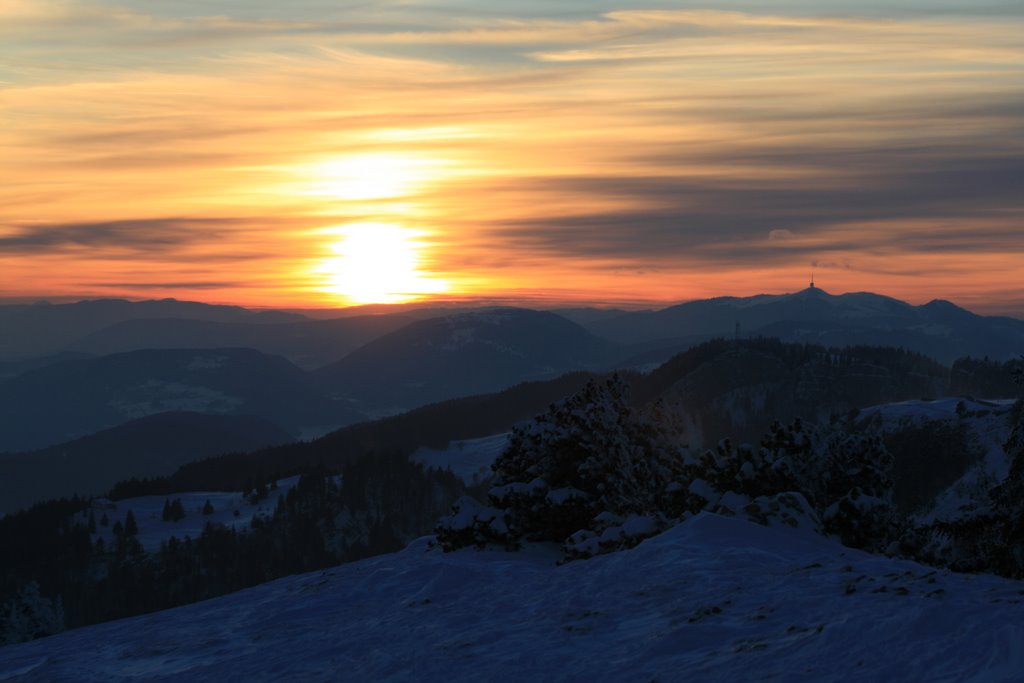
(565, 143)
(137, 235)
(142, 285)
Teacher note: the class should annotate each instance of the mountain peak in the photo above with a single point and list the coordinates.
(947, 310)
(941, 304)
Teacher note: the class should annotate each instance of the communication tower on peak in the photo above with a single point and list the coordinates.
(812, 279)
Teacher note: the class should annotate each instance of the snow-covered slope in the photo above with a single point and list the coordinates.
(230, 508)
(713, 599)
(943, 408)
(468, 459)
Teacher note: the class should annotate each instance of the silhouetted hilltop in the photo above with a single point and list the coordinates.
(720, 389)
(462, 354)
(307, 343)
(40, 329)
(939, 328)
(150, 446)
(73, 398)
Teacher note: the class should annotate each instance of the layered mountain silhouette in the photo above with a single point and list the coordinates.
(151, 446)
(73, 398)
(13, 368)
(36, 335)
(718, 389)
(940, 329)
(384, 364)
(307, 343)
(460, 354)
(422, 362)
(42, 329)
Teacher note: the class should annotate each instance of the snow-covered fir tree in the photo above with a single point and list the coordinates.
(596, 474)
(592, 472)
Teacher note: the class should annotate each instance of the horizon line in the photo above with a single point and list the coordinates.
(993, 308)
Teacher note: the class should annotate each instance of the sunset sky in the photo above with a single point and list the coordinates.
(323, 153)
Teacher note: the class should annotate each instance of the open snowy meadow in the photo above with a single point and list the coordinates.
(713, 599)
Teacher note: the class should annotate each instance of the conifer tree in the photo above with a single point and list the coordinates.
(131, 528)
(590, 461)
(174, 510)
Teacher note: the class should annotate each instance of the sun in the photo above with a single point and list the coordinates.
(378, 263)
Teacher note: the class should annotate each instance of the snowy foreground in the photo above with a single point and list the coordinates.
(714, 599)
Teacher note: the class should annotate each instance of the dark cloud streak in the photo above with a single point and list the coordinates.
(148, 235)
(729, 219)
(177, 284)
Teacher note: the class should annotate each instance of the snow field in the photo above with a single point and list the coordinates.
(713, 599)
(153, 530)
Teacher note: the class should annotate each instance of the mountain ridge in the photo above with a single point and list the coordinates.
(154, 445)
(462, 354)
(939, 328)
(73, 398)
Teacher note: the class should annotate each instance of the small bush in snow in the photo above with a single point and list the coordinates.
(471, 523)
(789, 509)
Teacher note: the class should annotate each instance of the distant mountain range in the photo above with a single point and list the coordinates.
(70, 370)
(151, 446)
(43, 329)
(307, 343)
(462, 354)
(939, 329)
(35, 335)
(73, 398)
(422, 362)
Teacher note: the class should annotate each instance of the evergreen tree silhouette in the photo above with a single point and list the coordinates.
(131, 528)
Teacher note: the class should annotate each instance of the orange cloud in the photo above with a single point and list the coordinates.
(629, 155)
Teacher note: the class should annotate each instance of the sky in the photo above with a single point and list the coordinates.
(315, 153)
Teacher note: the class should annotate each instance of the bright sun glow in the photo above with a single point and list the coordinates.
(365, 177)
(378, 263)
